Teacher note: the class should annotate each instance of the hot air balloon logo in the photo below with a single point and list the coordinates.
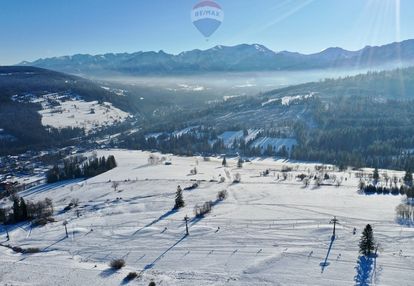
(207, 17)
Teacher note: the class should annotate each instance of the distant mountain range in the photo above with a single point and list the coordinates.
(238, 58)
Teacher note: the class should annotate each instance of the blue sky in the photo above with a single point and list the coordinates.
(30, 29)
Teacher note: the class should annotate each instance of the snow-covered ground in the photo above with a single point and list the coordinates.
(269, 231)
(276, 143)
(184, 131)
(78, 113)
(288, 100)
(228, 137)
(66, 110)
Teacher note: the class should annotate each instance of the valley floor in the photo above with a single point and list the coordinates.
(269, 231)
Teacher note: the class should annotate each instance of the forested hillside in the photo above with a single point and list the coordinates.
(21, 89)
(365, 120)
(395, 84)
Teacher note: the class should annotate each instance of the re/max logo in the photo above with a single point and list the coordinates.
(206, 13)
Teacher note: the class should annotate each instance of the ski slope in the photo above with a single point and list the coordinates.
(269, 231)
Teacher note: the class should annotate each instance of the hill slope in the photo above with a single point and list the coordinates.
(43, 107)
(365, 120)
(269, 231)
(395, 84)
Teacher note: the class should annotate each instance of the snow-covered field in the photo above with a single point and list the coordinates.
(269, 231)
(78, 113)
(67, 110)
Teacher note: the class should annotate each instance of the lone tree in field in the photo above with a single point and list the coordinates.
(240, 163)
(224, 163)
(179, 200)
(367, 243)
(115, 186)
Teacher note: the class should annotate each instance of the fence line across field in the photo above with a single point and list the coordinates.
(228, 224)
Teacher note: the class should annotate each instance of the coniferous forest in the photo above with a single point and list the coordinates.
(78, 167)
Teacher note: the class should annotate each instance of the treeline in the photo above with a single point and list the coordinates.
(371, 190)
(21, 211)
(187, 144)
(78, 167)
(200, 141)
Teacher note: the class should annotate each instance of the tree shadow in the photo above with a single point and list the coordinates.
(364, 269)
(56, 242)
(405, 214)
(142, 166)
(47, 187)
(164, 216)
(25, 225)
(126, 281)
(405, 222)
(325, 263)
(195, 220)
(152, 264)
(107, 272)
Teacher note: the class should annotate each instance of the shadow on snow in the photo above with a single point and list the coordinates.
(325, 263)
(164, 216)
(47, 187)
(364, 268)
(152, 264)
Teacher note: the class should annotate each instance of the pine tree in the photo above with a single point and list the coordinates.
(408, 178)
(376, 175)
(52, 175)
(240, 163)
(224, 163)
(367, 243)
(111, 162)
(16, 210)
(179, 200)
(23, 209)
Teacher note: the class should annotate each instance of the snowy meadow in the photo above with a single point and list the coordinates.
(272, 227)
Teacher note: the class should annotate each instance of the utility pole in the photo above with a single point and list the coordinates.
(66, 229)
(334, 221)
(186, 225)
